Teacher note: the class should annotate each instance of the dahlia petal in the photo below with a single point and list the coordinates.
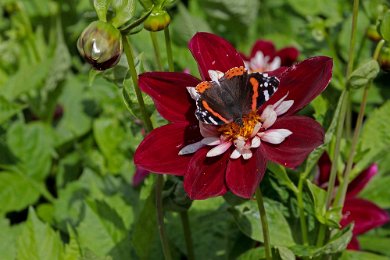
(288, 55)
(255, 143)
(358, 184)
(193, 93)
(205, 176)
(211, 141)
(256, 129)
(213, 53)
(324, 166)
(215, 75)
(191, 148)
(219, 149)
(275, 64)
(284, 107)
(169, 93)
(306, 135)
(159, 151)
(266, 47)
(235, 154)
(354, 244)
(303, 81)
(139, 176)
(365, 214)
(243, 176)
(246, 154)
(208, 130)
(275, 136)
(269, 116)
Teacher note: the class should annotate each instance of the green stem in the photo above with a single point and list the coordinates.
(187, 235)
(321, 235)
(148, 127)
(156, 50)
(264, 223)
(352, 44)
(359, 122)
(134, 77)
(301, 210)
(169, 48)
(160, 217)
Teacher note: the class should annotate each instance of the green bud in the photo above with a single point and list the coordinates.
(174, 196)
(101, 45)
(157, 21)
(384, 59)
(373, 34)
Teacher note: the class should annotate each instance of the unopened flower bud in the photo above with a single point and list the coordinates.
(101, 45)
(373, 34)
(157, 21)
(384, 59)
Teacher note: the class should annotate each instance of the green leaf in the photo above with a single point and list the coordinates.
(124, 11)
(39, 241)
(375, 138)
(378, 191)
(101, 7)
(145, 227)
(72, 249)
(330, 218)
(103, 231)
(27, 78)
(336, 244)
(186, 25)
(375, 243)
(281, 175)
(256, 253)
(8, 237)
(247, 218)
(316, 154)
(16, 192)
(8, 109)
(360, 255)
(306, 7)
(363, 75)
(32, 144)
(75, 121)
(109, 136)
(384, 26)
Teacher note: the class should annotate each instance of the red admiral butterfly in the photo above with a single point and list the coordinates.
(230, 96)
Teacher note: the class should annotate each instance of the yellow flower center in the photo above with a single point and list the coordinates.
(233, 130)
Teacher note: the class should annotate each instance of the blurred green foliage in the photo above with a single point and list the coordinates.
(67, 137)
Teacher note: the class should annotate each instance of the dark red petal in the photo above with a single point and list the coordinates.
(139, 176)
(358, 184)
(353, 244)
(205, 177)
(278, 72)
(303, 81)
(158, 152)
(243, 176)
(213, 53)
(324, 165)
(288, 55)
(306, 135)
(169, 93)
(365, 214)
(266, 47)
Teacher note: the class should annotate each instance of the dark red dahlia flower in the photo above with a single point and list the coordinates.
(265, 57)
(365, 214)
(221, 142)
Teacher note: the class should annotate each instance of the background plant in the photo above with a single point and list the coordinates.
(67, 136)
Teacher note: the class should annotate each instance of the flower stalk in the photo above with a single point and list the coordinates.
(134, 77)
(149, 127)
(345, 96)
(301, 209)
(264, 223)
(169, 49)
(359, 122)
(187, 235)
(156, 50)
